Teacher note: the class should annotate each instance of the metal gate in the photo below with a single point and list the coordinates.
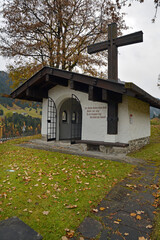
(76, 119)
(51, 120)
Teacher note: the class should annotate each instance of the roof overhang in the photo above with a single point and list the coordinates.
(36, 88)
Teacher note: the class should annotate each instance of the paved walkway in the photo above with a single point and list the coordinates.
(127, 211)
(77, 149)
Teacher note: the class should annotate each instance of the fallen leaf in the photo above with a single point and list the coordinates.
(139, 212)
(71, 206)
(95, 210)
(138, 217)
(70, 234)
(119, 220)
(8, 204)
(116, 222)
(133, 214)
(154, 212)
(67, 229)
(64, 238)
(102, 208)
(149, 226)
(45, 212)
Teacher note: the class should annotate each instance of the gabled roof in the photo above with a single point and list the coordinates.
(36, 88)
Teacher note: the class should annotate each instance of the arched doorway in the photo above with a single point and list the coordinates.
(70, 119)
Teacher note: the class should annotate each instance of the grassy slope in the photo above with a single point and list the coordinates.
(151, 153)
(53, 191)
(19, 110)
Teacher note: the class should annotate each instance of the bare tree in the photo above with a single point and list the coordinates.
(56, 32)
(121, 3)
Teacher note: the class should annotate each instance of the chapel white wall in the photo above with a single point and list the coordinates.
(139, 123)
(134, 119)
(94, 127)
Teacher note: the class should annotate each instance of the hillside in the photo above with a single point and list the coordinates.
(10, 106)
(154, 112)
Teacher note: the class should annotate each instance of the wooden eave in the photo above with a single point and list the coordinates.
(36, 88)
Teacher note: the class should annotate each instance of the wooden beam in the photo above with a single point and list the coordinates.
(91, 93)
(97, 47)
(56, 80)
(36, 93)
(104, 95)
(129, 39)
(72, 84)
(109, 96)
(78, 86)
(112, 120)
(94, 94)
(119, 42)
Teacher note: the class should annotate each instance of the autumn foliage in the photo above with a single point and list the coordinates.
(55, 33)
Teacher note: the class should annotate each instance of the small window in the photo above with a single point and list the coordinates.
(73, 117)
(64, 116)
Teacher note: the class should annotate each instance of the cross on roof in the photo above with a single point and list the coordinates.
(112, 44)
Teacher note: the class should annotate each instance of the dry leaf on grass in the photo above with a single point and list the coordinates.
(64, 238)
(70, 234)
(95, 210)
(71, 206)
(45, 212)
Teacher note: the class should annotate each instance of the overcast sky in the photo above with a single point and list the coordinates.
(138, 63)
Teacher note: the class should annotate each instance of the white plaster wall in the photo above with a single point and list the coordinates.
(139, 123)
(94, 117)
(123, 122)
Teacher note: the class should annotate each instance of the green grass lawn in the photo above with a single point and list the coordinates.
(50, 191)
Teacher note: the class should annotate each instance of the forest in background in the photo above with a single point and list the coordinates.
(17, 118)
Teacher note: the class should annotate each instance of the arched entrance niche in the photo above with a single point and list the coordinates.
(70, 119)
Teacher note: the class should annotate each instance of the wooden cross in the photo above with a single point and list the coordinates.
(111, 45)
